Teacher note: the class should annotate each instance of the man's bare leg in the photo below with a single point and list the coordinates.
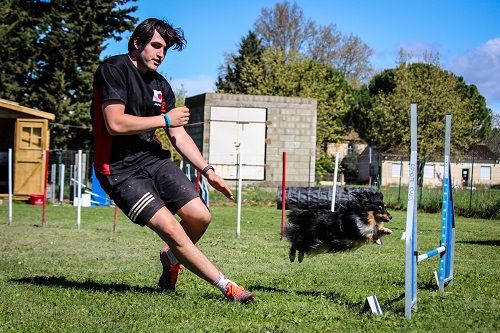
(167, 227)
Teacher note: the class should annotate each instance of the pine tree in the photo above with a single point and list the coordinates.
(249, 54)
(59, 51)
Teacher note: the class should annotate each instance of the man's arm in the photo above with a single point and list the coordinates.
(120, 123)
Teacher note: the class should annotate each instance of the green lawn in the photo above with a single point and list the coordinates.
(60, 279)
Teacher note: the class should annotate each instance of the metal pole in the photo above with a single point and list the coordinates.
(238, 222)
(45, 180)
(335, 181)
(370, 166)
(79, 186)
(10, 187)
(400, 177)
(283, 195)
(61, 183)
(447, 218)
(411, 221)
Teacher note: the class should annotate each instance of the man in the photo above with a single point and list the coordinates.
(130, 101)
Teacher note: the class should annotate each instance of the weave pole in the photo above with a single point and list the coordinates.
(45, 180)
(447, 257)
(240, 177)
(334, 186)
(447, 244)
(79, 191)
(283, 195)
(411, 220)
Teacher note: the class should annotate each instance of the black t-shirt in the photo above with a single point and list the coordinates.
(144, 94)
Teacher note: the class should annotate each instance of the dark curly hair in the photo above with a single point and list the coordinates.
(146, 29)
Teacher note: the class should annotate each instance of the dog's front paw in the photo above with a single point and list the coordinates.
(301, 256)
(385, 230)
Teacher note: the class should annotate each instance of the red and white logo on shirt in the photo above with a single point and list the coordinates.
(157, 96)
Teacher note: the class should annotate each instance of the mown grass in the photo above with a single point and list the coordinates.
(60, 279)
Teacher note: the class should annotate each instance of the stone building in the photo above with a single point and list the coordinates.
(259, 129)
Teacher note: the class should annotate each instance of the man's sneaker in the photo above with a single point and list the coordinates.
(168, 278)
(238, 293)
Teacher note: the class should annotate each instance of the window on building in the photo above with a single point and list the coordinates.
(31, 137)
(485, 173)
(350, 147)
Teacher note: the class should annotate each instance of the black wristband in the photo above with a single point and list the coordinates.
(205, 170)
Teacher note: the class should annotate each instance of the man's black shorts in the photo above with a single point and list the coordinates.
(144, 192)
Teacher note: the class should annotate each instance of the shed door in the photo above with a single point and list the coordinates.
(31, 139)
(234, 130)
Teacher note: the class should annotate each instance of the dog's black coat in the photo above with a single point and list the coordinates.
(358, 219)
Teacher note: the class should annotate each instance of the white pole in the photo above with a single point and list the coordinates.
(370, 166)
(10, 186)
(411, 245)
(61, 183)
(79, 206)
(335, 181)
(53, 172)
(238, 222)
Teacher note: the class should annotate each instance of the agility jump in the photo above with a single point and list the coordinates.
(447, 244)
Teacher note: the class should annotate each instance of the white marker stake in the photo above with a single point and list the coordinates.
(79, 185)
(335, 181)
(238, 223)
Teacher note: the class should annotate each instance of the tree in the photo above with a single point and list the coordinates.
(284, 28)
(292, 75)
(350, 165)
(383, 120)
(59, 57)
(249, 54)
(493, 141)
(18, 54)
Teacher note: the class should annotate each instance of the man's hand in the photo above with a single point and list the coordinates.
(219, 184)
(178, 116)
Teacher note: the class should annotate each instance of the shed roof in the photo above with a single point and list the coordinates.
(5, 104)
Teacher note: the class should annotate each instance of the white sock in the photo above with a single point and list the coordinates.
(173, 260)
(222, 282)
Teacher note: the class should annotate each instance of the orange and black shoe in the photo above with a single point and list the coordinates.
(238, 294)
(168, 278)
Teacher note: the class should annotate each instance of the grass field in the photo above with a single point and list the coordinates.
(60, 279)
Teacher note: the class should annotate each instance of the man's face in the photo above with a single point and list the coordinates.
(153, 54)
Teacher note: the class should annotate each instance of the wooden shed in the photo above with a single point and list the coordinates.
(26, 131)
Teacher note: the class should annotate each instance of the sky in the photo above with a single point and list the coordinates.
(465, 33)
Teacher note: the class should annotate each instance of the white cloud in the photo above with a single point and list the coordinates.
(194, 85)
(482, 67)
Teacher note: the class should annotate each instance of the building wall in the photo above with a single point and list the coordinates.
(291, 128)
(389, 179)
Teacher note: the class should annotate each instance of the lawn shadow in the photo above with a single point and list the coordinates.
(330, 295)
(489, 242)
(395, 305)
(63, 282)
